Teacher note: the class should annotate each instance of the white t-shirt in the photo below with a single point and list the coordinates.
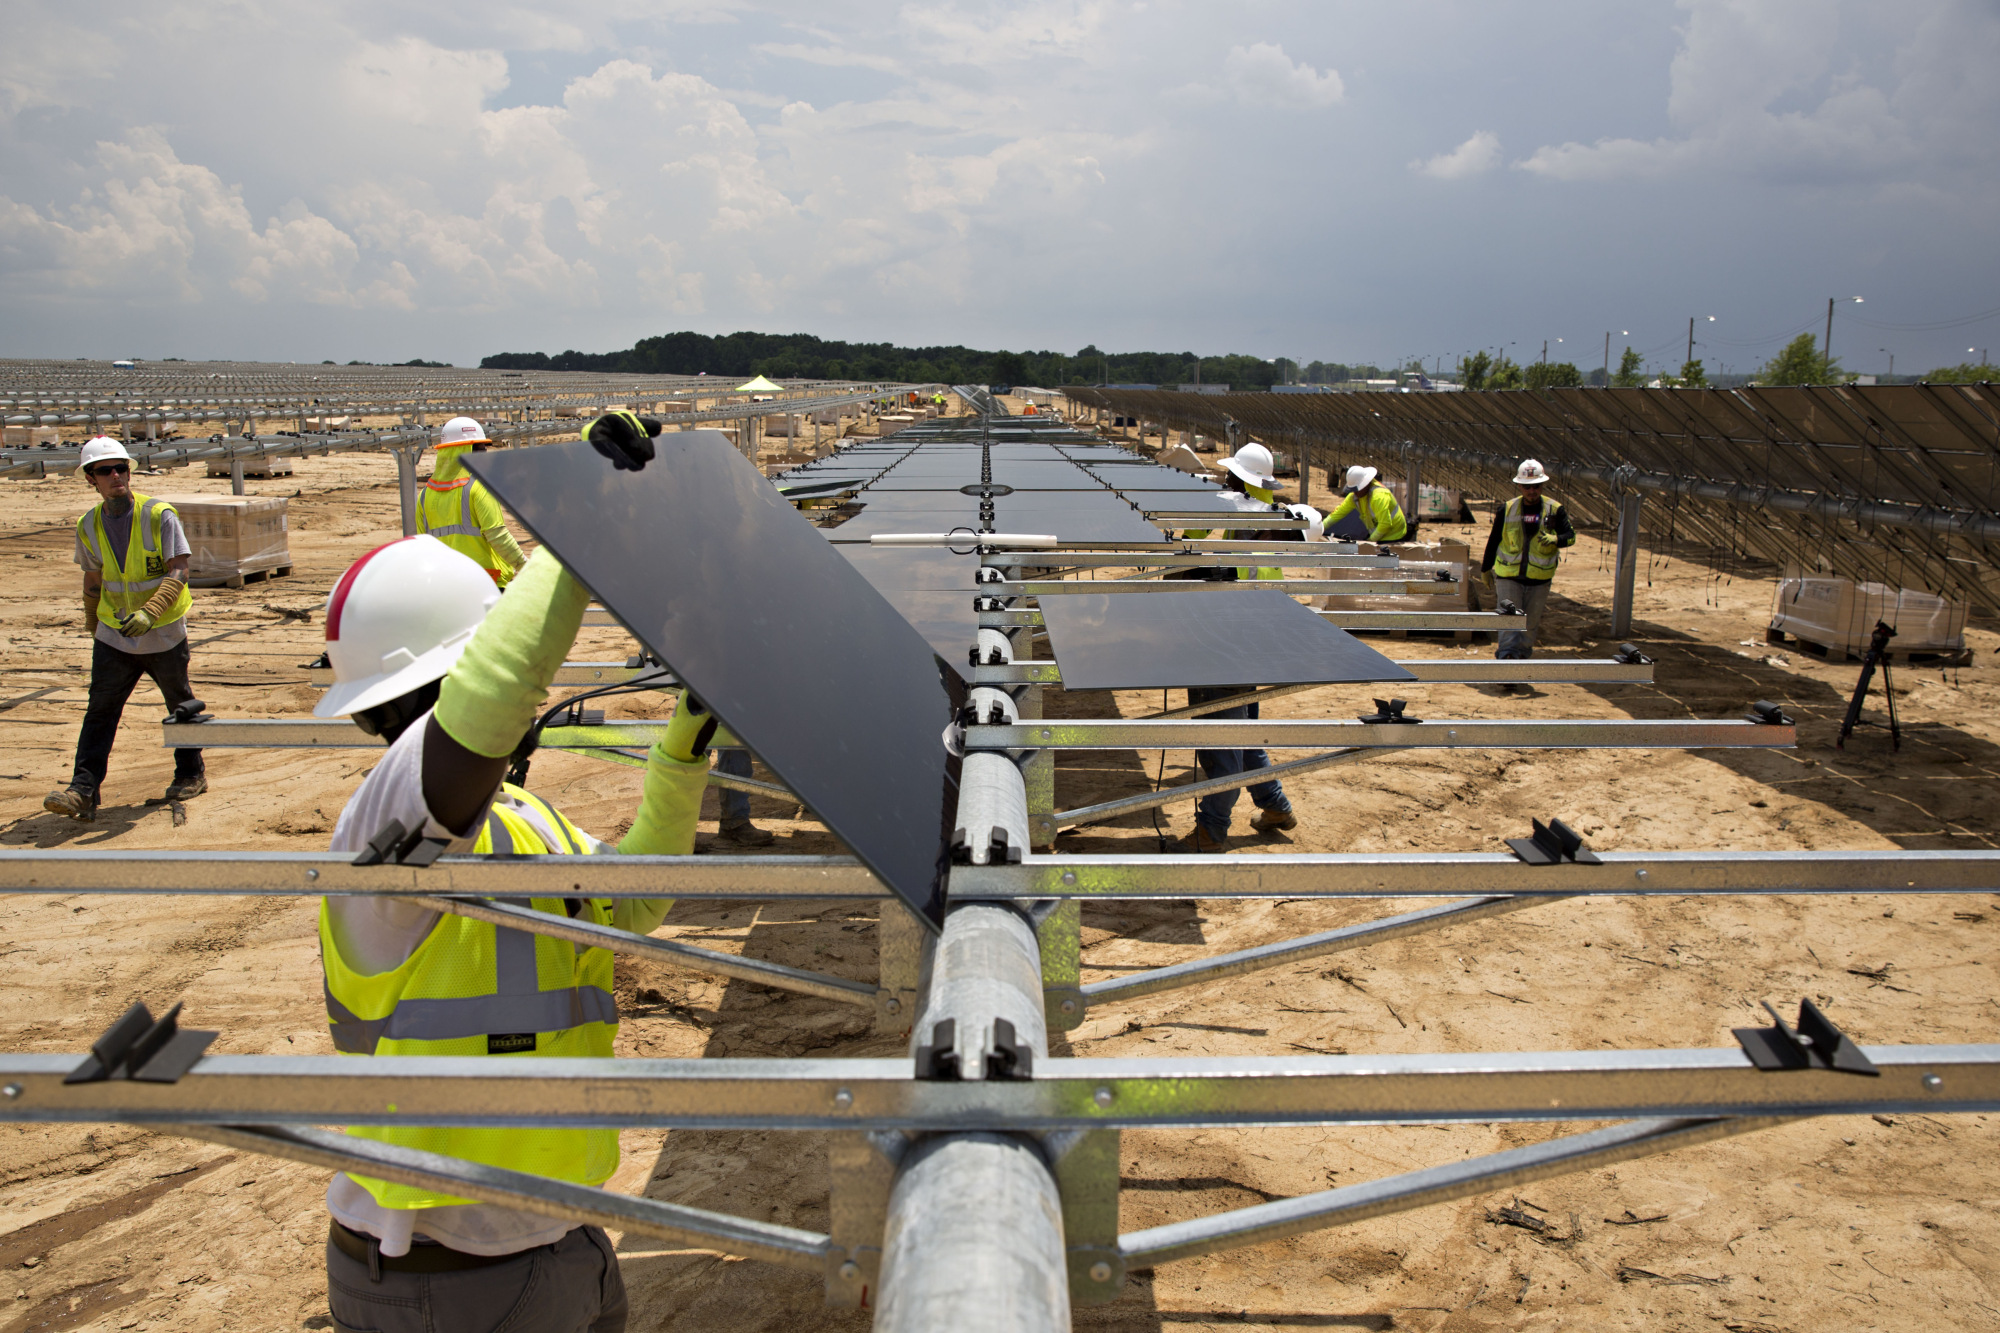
(376, 935)
(173, 545)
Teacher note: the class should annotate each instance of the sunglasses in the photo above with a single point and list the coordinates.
(111, 470)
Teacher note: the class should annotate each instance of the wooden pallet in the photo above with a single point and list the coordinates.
(238, 580)
(1839, 652)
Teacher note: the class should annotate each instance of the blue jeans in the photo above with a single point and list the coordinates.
(1212, 812)
(1532, 596)
(735, 804)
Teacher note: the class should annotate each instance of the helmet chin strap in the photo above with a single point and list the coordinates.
(390, 720)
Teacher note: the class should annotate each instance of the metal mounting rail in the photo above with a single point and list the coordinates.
(340, 733)
(880, 1094)
(675, 1222)
(1188, 791)
(290, 874)
(1418, 587)
(1302, 875)
(569, 673)
(1486, 621)
(1452, 874)
(1314, 556)
(1470, 733)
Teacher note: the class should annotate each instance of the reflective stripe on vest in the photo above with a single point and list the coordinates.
(1541, 559)
(128, 584)
(547, 998)
(465, 527)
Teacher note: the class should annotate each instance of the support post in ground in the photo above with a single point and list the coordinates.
(1415, 481)
(406, 487)
(236, 475)
(973, 1239)
(1627, 571)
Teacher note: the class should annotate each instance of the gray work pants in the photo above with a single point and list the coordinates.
(1532, 596)
(572, 1286)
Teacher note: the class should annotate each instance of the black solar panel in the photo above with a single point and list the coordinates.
(1207, 634)
(742, 598)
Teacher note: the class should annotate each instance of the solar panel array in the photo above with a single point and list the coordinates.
(1005, 474)
(1898, 484)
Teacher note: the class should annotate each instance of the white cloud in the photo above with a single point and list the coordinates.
(1741, 62)
(1264, 74)
(1479, 153)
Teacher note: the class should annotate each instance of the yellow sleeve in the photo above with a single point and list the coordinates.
(492, 693)
(1338, 512)
(664, 826)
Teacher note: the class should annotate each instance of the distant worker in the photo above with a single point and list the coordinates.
(1252, 473)
(463, 514)
(1521, 550)
(134, 555)
(1375, 503)
(420, 660)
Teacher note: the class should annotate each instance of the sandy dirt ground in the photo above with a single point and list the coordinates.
(1831, 1224)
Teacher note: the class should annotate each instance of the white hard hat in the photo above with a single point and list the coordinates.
(398, 619)
(97, 450)
(1358, 476)
(1253, 464)
(461, 431)
(1532, 473)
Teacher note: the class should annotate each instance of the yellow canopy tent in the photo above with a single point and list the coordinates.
(759, 385)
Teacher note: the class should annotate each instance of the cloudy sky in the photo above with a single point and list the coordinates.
(1319, 180)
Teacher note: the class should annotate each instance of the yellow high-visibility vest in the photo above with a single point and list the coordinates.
(1542, 556)
(473, 988)
(129, 584)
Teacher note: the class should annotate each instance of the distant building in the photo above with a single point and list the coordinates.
(1203, 388)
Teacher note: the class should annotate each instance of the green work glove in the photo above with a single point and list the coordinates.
(135, 624)
(690, 733)
(498, 687)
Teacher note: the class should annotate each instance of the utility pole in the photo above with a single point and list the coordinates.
(1545, 351)
(1690, 355)
(1607, 358)
(1826, 343)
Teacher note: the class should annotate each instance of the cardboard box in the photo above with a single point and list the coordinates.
(1840, 615)
(234, 535)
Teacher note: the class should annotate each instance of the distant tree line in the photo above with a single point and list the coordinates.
(802, 356)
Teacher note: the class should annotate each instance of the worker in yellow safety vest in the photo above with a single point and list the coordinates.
(1375, 503)
(428, 656)
(1251, 472)
(1522, 554)
(463, 514)
(134, 555)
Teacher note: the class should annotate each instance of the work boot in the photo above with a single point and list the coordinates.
(75, 802)
(181, 789)
(1198, 841)
(743, 833)
(1274, 821)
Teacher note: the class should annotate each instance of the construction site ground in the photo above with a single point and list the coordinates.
(1849, 1223)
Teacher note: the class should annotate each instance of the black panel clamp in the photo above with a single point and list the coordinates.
(1552, 844)
(397, 846)
(1769, 714)
(1815, 1044)
(1009, 1058)
(1629, 654)
(938, 1058)
(188, 710)
(1389, 710)
(138, 1048)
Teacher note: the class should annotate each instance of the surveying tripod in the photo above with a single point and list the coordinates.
(1877, 655)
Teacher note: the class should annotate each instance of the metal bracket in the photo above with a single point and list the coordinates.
(146, 1051)
(993, 648)
(937, 1059)
(1059, 934)
(1390, 711)
(1629, 654)
(1815, 1044)
(1769, 714)
(901, 941)
(862, 1169)
(1084, 1163)
(1553, 843)
(987, 706)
